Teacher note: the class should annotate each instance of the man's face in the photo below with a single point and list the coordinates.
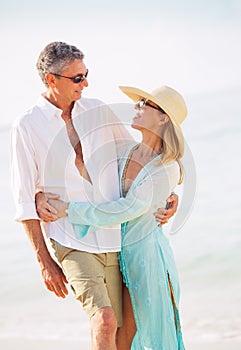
(66, 89)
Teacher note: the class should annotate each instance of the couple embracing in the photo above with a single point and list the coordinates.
(82, 182)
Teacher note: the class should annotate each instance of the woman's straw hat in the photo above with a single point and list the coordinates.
(168, 99)
(165, 97)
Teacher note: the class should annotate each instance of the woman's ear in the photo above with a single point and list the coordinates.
(163, 119)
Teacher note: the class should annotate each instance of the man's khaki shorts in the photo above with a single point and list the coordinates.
(94, 278)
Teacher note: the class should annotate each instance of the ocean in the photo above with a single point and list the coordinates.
(207, 247)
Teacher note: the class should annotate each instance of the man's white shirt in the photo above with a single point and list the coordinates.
(43, 159)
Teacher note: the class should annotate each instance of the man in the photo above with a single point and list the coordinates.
(45, 151)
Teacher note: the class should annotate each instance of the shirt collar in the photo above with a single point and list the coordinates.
(52, 111)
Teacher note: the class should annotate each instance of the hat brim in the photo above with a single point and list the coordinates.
(136, 94)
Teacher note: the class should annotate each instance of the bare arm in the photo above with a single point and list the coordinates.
(52, 274)
(48, 212)
(137, 202)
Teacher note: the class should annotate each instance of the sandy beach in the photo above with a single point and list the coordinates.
(40, 344)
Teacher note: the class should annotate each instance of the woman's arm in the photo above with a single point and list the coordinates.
(152, 190)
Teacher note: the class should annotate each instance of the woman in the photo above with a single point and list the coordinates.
(149, 171)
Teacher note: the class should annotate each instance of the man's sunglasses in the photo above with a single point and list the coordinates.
(76, 80)
(143, 102)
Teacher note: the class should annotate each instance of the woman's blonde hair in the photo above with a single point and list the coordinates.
(171, 148)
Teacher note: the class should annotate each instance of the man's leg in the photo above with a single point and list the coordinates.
(86, 274)
(103, 329)
(105, 321)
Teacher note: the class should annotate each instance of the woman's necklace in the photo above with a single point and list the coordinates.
(123, 178)
(139, 163)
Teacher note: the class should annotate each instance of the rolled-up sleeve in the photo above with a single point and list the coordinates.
(24, 174)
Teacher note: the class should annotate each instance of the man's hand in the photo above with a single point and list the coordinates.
(52, 274)
(45, 211)
(163, 215)
(54, 278)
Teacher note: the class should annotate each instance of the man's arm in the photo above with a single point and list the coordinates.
(52, 274)
(139, 199)
(24, 177)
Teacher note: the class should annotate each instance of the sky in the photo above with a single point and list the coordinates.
(193, 46)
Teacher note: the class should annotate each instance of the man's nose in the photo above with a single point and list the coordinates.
(85, 83)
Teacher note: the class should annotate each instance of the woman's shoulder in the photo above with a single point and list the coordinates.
(173, 165)
(170, 169)
(169, 165)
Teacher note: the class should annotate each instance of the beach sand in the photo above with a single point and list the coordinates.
(215, 346)
(40, 344)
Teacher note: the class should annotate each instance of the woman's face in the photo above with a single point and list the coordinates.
(148, 118)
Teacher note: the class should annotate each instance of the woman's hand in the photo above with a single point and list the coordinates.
(59, 206)
(163, 215)
(45, 211)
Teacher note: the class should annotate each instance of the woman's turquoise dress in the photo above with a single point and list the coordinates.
(146, 258)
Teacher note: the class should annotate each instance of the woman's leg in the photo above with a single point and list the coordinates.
(127, 332)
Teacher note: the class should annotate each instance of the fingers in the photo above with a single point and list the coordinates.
(59, 289)
(172, 202)
(51, 209)
(45, 211)
(162, 223)
(43, 206)
(162, 216)
(46, 215)
(55, 281)
(162, 213)
(49, 195)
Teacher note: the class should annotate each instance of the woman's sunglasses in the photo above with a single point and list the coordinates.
(143, 102)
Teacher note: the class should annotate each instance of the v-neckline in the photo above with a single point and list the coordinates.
(129, 152)
(123, 176)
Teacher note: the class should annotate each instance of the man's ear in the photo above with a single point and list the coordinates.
(50, 78)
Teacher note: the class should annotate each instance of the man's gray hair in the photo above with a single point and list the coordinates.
(55, 57)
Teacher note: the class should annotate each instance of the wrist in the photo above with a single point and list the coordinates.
(43, 258)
